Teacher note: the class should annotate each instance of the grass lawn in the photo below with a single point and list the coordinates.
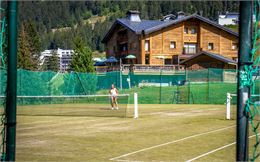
(163, 132)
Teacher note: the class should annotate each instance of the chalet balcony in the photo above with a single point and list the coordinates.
(152, 68)
(190, 50)
(138, 68)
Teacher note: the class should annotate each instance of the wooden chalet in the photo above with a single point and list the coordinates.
(170, 40)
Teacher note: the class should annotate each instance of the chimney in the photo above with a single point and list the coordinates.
(180, 14)
(201, 12)
(133, 16)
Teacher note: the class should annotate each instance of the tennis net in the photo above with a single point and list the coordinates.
(76, 105)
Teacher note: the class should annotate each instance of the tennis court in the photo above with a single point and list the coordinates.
(161, 133)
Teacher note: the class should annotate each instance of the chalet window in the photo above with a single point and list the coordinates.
(186, 30)
(234, 46)
(147, 45)
(167, 61)
(210, 46)
(147, 59)
(193, 30)
(190, 48)
(172, 44)
(175, 59)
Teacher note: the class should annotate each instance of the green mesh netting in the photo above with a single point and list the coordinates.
(249, 79)
(3, 78)
(207, 86)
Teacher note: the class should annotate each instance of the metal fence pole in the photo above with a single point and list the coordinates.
(11, 82)
(120, 74)
(243, 91)
(160, 95)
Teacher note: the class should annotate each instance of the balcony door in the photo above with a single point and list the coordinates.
(190, 48)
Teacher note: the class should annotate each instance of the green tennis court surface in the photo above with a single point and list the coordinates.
(162, 133)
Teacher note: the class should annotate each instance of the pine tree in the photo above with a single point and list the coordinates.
(24, 56)
(82, 57)
(34, 43)
(52, 62)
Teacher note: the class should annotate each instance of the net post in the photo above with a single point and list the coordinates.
(228, 106)
(245, 24)
(136, 105)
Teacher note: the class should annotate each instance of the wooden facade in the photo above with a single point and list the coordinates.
(122, 43)
(172, 44)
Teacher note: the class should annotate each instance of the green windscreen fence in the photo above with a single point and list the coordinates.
(207, 86)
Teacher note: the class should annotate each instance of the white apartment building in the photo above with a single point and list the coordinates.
(228, 19)
(65, 57)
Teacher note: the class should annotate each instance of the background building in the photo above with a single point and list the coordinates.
(228, 19)
(64, 57)
(170, 40)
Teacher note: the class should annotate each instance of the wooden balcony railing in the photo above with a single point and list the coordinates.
(152, 68)
(140, 68)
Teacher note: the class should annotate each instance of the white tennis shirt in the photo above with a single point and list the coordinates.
(113, 92)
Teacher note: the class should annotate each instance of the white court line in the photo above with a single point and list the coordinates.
(210, 152)
(127, 160)
(171, 142)
(57, 124)
(57, 120)
(40, 122)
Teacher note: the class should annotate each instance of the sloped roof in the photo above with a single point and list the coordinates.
(193, 16)
(150, 26)
(213, 55)
(136, 27)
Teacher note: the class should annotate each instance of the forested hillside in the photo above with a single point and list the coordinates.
(58, 23)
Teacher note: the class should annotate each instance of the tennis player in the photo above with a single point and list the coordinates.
(113, 92)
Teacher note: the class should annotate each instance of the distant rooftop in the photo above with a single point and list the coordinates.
(133, 12)
(233, 15)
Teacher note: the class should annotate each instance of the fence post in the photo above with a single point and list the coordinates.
(228, 106)
(120, 68)
(129, 81)
(160, 95)
(208, 86)
(189, 92)
(245, 24)
(11, 92)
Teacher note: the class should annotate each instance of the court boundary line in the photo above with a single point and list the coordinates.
(215, 150)
(167, 143)
(60, 124)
